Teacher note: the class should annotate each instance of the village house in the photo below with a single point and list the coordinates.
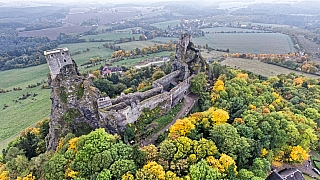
(286, 174)
(107, 70)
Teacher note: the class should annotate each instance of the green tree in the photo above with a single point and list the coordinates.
(54, 168)
(167, 150)
(157, 75)
(202, 171)
(121, 166)
(104, 175)
(198, 83)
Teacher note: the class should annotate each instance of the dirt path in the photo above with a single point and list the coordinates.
(188, 102)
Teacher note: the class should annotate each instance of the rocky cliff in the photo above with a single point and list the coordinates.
(74, 105)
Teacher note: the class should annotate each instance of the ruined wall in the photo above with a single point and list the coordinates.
(117, 116)
(180, 91)
(165, 80)
(138, 96)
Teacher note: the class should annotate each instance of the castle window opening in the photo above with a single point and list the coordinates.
(64, 60)
(51, 55)
(62, 53)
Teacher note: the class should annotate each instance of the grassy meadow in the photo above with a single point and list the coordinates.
(261, 68)
(248, 42)
(136, 61)
(96, 50)
(136, 44)
(110, 36)
(165, 24)
(25, 113)
(227, 29)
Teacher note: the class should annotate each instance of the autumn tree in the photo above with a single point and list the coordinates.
(157, 75)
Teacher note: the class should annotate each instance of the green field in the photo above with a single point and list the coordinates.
(165, 24)
(99, 29)
(248, 42)
(19, 116)
(96, 50)
(128, 46)
(163, 39)
(110, 36)
(136, 61)
(227, 29)
(261, 68)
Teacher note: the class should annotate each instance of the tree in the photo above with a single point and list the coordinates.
(18, 166)
(152, 170)
(298, 154)
(151, 152)
(104, 175)
(157, 75)
(120, 167)
(96, 73)
(167, 150)
(260, 167)
(202, 171)
(54, 168)
(198, 83)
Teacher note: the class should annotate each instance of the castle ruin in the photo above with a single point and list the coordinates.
(77, 104)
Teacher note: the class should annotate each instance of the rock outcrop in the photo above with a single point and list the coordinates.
(74, 99)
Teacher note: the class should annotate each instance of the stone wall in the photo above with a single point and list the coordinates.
(180, 91)
(165, 81)
(127, 109)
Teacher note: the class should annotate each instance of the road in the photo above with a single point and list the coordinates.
(189, 101)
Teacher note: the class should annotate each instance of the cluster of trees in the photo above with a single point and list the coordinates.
(291, 60)
(24, 154)
(120, 54)
(251, 123)
(19, 52)
(130, 81)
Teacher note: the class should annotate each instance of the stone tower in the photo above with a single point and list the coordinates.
(56, 59)
(74, 99)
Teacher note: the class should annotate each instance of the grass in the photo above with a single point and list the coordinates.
(96, 50)
(227, 29)
(136, 61)
(261, 68)
(273, 43)
(136, 44)
(165, 24)
(110, 36)
(19, 116)
(163, 39)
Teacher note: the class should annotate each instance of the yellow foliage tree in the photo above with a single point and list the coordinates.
(222, 164)
(72, 143)
(4, 175)
(219, 116)
(298, 154)
(242, 75)
(218, 86)
(28, 177)
(152, 170)
(181, 128)
(127, 176)
(151, 152)
(264, 152)
(298, 81)
(96, 73)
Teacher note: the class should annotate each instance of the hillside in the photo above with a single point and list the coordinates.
(247, 124)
